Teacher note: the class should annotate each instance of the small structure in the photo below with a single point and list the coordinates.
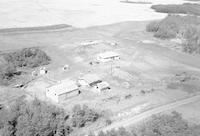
(100, 87)
(34, 73)
(108, 56)
(43, 71)
(62, 91)
(90, 42)
(89, 80)
(65, 67)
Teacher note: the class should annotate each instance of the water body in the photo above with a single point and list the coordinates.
(78, 13)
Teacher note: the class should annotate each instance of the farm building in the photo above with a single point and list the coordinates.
(108, 56)
(100, 87)
(89, 80)
(43, 71)
(62, 91)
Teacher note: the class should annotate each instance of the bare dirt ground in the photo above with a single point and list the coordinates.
(147, 75)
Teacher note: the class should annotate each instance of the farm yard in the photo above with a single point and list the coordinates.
(100, 77)
(136, 76)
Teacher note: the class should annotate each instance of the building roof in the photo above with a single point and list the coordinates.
(108, 54)
(90, 78)
(102, 85)
(64, 86)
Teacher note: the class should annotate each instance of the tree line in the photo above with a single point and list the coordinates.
(38, 118)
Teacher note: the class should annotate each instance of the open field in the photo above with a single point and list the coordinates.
(190, 112)
(150, 74)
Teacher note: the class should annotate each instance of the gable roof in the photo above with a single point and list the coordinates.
(102, 85)
(90, 78)
(108, 54)
(65, 86)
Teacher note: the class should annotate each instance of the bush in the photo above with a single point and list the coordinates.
(186, 8)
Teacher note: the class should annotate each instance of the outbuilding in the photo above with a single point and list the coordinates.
(62, 91)
(43, 71)
(108, 56)
(89, 80)
(101, 87)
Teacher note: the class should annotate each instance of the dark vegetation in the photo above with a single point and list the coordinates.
(186, 8)
(31, 29)
(25, 58)
(175, 26)
(38, 118)
(159, 125)
(193, 0)
(135, 2)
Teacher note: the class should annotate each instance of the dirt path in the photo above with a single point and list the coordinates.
(146, 114)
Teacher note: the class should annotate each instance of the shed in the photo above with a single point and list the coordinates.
(89, 80)
(100, 87)
(43, 70)
(62, 91)
(108, 56)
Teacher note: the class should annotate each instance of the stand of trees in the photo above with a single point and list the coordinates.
(41, 119)
(25, 58)
(38, 118)
(184, 27)
(186, 8)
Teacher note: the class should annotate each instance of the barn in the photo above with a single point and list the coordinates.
(62, 91)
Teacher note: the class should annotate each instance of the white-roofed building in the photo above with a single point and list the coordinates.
(100, 87)
(62, 91)
(108, 56)
(89, 80)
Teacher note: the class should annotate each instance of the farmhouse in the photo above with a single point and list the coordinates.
(107, 56)
(89, 80)
(62, 91)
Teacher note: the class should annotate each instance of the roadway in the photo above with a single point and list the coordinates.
(136, 118)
